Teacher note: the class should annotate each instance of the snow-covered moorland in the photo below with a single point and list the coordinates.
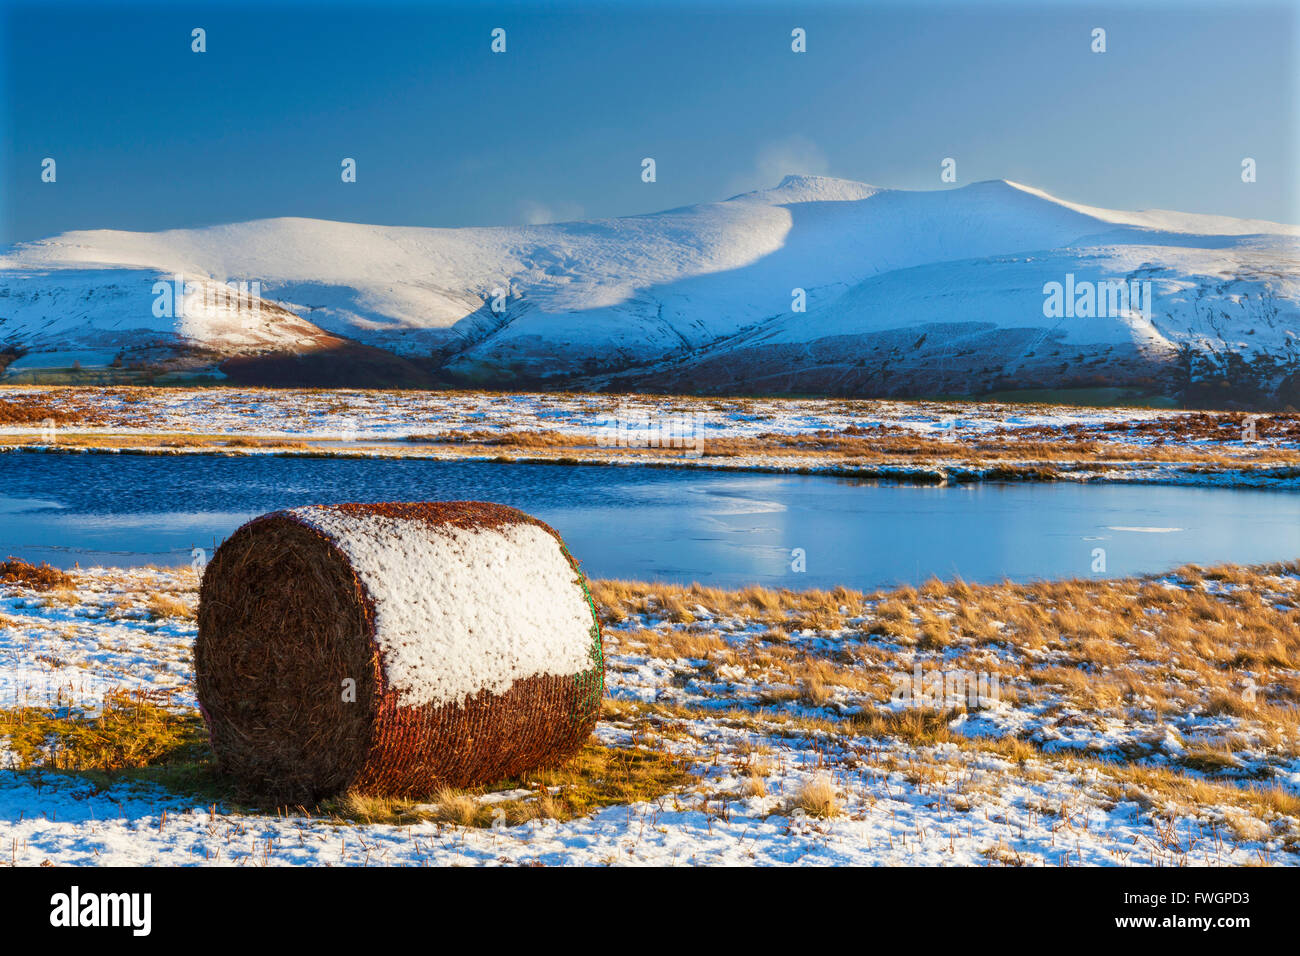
(1127, 722)
(916, 440)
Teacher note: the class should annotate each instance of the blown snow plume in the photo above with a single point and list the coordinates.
(392, 648)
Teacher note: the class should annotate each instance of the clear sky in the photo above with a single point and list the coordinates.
(148, 135)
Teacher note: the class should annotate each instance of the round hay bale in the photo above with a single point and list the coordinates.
(391, 648)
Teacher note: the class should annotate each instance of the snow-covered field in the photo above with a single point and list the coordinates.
(1130, 746)
(388, 415)
(930, 440)
(770, 720)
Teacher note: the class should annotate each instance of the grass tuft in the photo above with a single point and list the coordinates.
(817, 798)
(38, 577)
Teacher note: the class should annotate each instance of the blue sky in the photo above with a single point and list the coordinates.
(148, 135)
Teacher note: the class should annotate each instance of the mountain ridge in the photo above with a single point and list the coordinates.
(699, 288)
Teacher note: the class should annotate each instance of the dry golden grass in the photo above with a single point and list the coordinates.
(1095, 650)
(1022, 452)
(919, 726)
(1224, 642)
(168, 605)
(932, 461)
(145, 443)
(1160, 787)
(28, 409)
(596, 777)
(617, 598)
(39, 577)
(523, 438)
(456, 806)
(817, 797)
(754, 783)
(618, 709)
(133, 736)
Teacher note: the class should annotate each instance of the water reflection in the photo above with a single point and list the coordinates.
(680, 525)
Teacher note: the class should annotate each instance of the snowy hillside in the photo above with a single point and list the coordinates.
(904, 292)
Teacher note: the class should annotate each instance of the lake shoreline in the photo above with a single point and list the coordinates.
(926, 442)
(956, 472)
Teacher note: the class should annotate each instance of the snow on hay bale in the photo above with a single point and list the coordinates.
(391, 648)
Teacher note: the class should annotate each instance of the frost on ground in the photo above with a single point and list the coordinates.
(1138, 722)
(111, 630)
(913, 440)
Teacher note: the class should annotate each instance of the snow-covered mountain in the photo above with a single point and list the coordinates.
(903, 293)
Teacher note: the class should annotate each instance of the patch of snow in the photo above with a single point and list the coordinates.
(459, 611)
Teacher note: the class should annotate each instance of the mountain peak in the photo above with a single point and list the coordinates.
(801, 187)
(806, 180)
(880, 267)
(1005, 185)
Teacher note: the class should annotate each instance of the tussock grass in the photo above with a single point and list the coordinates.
(1104, 643)
(37, 409)
(915, 725)
(1156, 665)
(816, 797)
(754, 783)
(523, 438)
(39, 577)
(677, 644)
(1155, 787)
(1210, 759)
(169, 605)
(162, 443)
(616, 599)
(456, 806)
